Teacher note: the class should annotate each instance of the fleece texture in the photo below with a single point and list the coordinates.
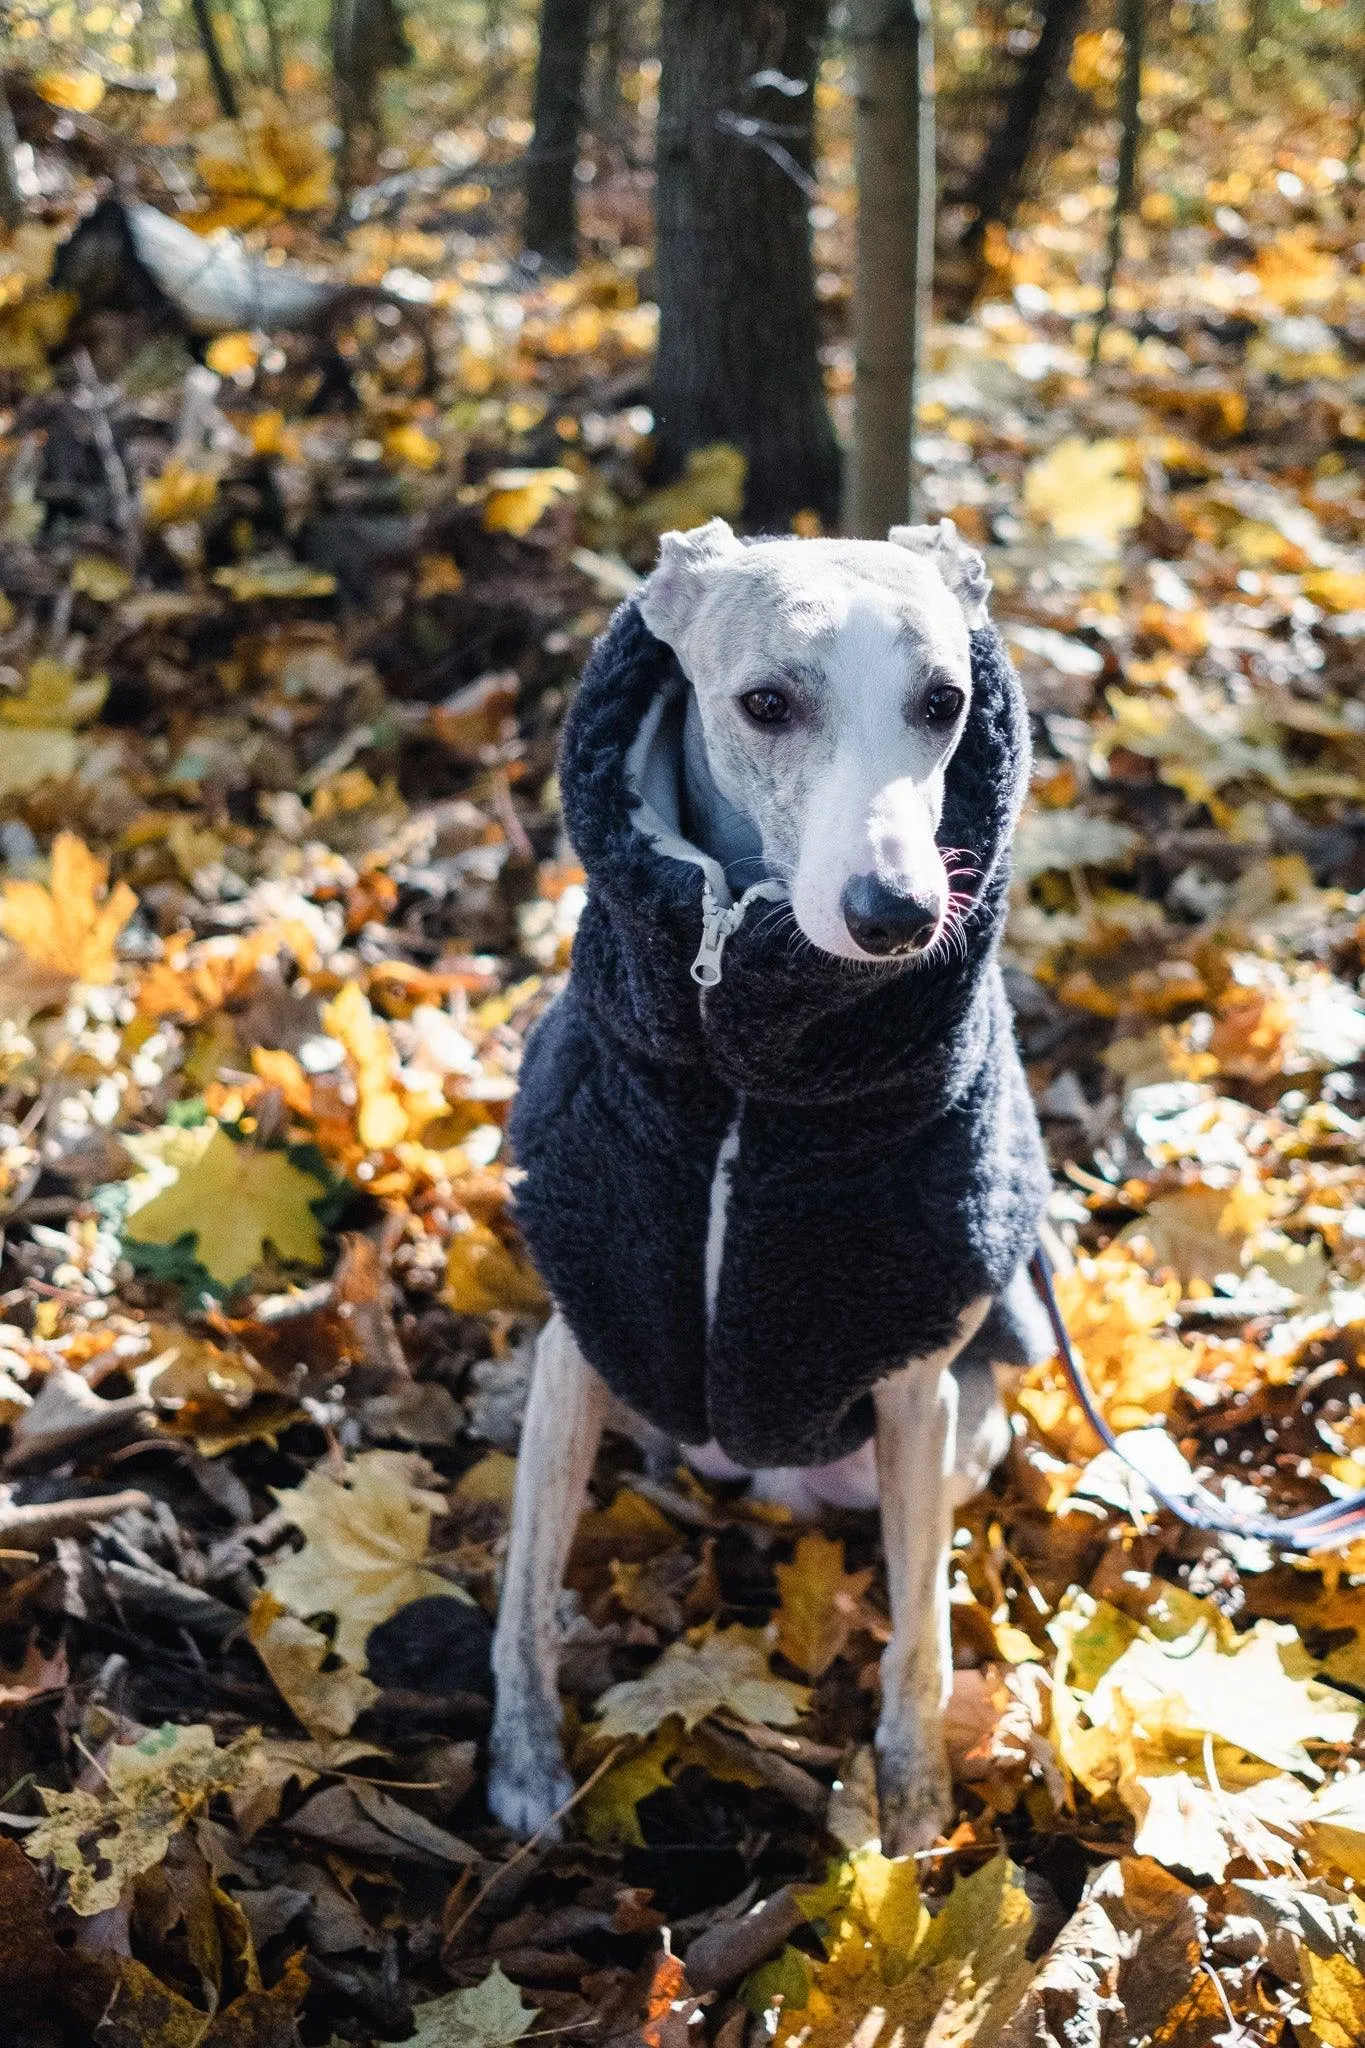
(889, 1168)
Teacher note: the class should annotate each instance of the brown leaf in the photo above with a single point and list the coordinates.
(820, 1603)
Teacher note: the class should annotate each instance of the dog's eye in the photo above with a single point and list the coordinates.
(767, 707)
(943, 705)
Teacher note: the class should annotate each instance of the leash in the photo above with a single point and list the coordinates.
(1321, 1528)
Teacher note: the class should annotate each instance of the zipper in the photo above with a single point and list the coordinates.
(718, 921)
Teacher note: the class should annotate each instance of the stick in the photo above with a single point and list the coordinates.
(46, 1520)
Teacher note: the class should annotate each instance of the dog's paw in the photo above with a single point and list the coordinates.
(527, 1781)
(914, 1788)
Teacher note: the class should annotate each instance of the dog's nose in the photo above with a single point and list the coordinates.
(884, 921)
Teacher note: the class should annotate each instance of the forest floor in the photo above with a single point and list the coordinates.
(285, 888)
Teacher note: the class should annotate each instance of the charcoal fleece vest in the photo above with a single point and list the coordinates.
(884, 1162)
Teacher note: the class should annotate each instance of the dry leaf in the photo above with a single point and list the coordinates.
(326, 1702)
(366, 1538)
(151, 1788)
(819, 1603)
(69, 927)
(728, 1669)
(233, 1201)
(1081, 490)
(487, 2015)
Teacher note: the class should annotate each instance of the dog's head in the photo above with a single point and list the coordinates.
(833, 679)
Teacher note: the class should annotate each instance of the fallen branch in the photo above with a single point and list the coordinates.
(44, 1521)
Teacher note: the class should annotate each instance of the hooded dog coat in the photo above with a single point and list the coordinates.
(753, 1200)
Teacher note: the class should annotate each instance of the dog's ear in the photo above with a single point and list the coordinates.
(668, 597)
(959, 564)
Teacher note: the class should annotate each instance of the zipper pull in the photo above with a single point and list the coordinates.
(716, 927)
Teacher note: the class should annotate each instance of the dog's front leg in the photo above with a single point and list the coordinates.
(527, 1780)
(916, 1444)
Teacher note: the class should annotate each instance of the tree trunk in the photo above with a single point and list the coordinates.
(1000, 180)
(11, 198)
(551, 228)
(738, 356)
(894, 302)
(224, 90)
(1125, 184)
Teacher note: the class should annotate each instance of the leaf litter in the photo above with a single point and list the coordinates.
(284, 889)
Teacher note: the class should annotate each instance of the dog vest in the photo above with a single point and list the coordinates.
(756, 1179)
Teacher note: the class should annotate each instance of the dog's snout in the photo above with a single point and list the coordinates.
(884, 921)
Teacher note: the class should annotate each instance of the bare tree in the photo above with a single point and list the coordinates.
(367, 39)
(996, 188)
(11, 198)
(739, 342)
(225, 92)
(551, 226)
(1130, 137)
(894, 48)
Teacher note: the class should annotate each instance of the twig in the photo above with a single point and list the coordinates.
(44, 1521)
(526, 1848)
(116, 476)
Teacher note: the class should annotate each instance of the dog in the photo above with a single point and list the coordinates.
(779, 1166)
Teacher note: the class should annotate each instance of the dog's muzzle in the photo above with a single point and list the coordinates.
(884, 921)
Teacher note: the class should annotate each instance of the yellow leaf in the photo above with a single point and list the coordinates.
(366, 1537)
(411, 445)
(1081, 491)
(53, 698)
(893, 1974)
(80, 92)
(381, 1119)
(98, 577)
(819, 1607)
(269, 160)
(1336, 590)
(483, 1275)
(70, 926)
(608, 1813)
(182, 491)
(326, 1702)
(230, 354)
(519, 498)
(1336, 1999)
(151, 1788)
(267, 578)
(728, 1669)
(710, 487)
(233, 1201)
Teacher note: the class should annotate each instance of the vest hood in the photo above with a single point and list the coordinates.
(783, 1023)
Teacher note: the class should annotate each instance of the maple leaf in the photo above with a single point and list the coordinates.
(366, 1537)
(151, 1788)
(819, 1603)
(381, 1118)
(487, 2015)
(519, 498)
(181, 492)
(69, 927)
(728, 1669)
(1081, 491)
(233, 1201)
(265, 164)
(52, 698)
(326, 1702)
(954, 1977)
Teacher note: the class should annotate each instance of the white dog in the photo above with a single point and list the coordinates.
(797, 747)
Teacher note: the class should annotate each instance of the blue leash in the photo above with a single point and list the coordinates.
(1321, 1528)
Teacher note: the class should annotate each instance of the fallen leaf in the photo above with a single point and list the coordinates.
(365, 1820)
(69, 926)
(728, 1669)
(366, 1538)
(326, 1702)
(151, 1788)
(235, 1200)
(1081, 490)
(819, 1603)
(487, 2015)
